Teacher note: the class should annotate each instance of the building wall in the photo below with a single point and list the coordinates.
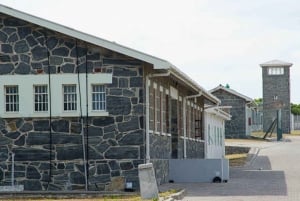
(236, 127)
(115, 142)
(279, 86)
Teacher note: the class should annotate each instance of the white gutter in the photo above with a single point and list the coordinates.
(148, 111)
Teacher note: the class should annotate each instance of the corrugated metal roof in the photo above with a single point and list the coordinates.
(157, 63)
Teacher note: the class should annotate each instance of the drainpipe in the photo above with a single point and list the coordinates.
(148, 111)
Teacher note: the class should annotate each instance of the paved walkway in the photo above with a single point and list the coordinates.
(273, 175)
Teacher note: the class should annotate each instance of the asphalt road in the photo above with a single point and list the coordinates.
(273, 175)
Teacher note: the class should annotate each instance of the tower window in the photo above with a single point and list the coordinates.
(275, 71)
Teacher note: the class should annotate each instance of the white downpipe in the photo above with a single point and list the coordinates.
(12, 169)
(84, 155)
(147, 121)
(184, 127)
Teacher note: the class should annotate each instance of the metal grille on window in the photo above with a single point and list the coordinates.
(41, 98)
(11, 99)
(70, 98)
(98, 98)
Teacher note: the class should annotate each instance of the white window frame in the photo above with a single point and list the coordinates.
(69, 97)
(100, 103)
(275, 71)
(13, 105)
(43, 102)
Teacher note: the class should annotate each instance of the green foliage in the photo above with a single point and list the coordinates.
(295, 109)
(258, 101)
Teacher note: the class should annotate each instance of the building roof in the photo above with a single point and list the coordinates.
(276, 63)
(157, 63)
(221, 87)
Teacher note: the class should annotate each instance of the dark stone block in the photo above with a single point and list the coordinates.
(103, 121)
(138, 109)
(115, 92)
(3, 37)
(124, 72)
(136, 163)
(14, 22)
(70, 44)
(23, 69)
(13, 135)
(136, 82)
(21, 47)
(75, 128)
(5, 141)
(134, 100)
(52, 42)
(114, 84)
(133, 138)
(128, 93)
(9, 30)
(26, 127)
(1, 175)
(61, 166)
(4, 58)
(102, 147)
(69, 152)
(78, 52)
(108, 61)
(32, 173)
(6, 68)
(110, 128)
(110, 135)
(36, 65)
(6, 48)
(35, 138)
(31, 41)
(118, 105)
(59, 138)
(39, 53)
(119, 118)
(95, 131)
(55, 60)
(41, 125)
(20, 141)
(99, 179)
(114, 165)
(61, 126)
(32, 185)
(31, 154)
(25, 58)
(50, 69)
(124, 152)
(94, 155)
(23, 32)
(85, 67)
(3, 153)
(142, 122)
(133, 124)
(79, 167)
(93, 57)
(68, 68)
(61, 51)
(13, 38)
(112, 142)
(126, 165)
(103, 169)
(123, 83)
(77, 178)
(115, 173)
(130, 173)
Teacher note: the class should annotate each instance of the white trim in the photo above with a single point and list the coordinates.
(26, 83)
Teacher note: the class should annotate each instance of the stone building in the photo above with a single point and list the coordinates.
(81, 113)
(276, 93)
(245, 117)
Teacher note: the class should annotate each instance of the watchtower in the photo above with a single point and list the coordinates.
(276, 93)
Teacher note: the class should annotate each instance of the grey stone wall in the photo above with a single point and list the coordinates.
(276, 85)
(115, 143)
(195, 149)
(236, 127)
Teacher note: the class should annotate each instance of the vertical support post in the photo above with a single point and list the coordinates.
(279, 126)
(12, 169)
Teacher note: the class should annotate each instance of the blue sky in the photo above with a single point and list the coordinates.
(213, 41)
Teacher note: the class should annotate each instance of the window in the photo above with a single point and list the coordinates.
(98, 98)
(11, 99)
(70, 97)
(40, 98)
(275, 71)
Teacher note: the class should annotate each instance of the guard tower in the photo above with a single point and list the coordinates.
(276, 93)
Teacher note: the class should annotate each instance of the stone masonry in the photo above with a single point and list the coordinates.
(115, 143)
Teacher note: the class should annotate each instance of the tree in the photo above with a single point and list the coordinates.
(295, 109)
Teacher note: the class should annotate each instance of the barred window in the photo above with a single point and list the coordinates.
(70, 97)
(11, 98)
(98, 97)
(40, 98)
